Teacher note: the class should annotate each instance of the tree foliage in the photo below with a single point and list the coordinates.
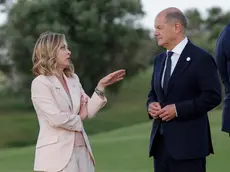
(103, 36)
(205, 30)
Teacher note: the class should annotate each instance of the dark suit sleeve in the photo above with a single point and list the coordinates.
(209, 88)
(226, 48)
(152, 97)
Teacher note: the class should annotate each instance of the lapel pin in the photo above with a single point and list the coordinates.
(188, 59)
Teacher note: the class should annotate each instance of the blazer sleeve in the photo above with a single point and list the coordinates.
(210, 91)
(95, 102)
(152, 97)
(226, 45)
(46, 105)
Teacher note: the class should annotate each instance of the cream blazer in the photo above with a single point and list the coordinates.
(58, 120)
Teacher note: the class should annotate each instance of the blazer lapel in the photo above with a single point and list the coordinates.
(75, 94)
(159, 72)
(60, 90)
(181, 66)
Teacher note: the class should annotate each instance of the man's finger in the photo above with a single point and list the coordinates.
(154, 108)
(162, 115)
(169, 117)
(165, 118)
(161, 111)
(153, 112)
(154, 104)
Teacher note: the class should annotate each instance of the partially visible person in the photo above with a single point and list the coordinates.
(61, 106)
(223, 63)
(184, 87)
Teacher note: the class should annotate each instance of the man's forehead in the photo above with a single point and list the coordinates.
(160, 20)
(161, 16)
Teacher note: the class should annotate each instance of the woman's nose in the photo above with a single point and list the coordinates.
(69, 52)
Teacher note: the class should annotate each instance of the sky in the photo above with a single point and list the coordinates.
(152, 7)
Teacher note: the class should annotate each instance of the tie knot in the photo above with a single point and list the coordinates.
(169, 54)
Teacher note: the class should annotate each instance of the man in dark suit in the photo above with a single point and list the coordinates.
(223, 63)
(184, 87)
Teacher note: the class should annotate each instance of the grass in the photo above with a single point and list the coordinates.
(119, 134)
(124, 150)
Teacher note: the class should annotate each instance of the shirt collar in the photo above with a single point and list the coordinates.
(180, 47)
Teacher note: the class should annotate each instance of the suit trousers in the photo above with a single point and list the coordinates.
(164, 162)
(80, 161)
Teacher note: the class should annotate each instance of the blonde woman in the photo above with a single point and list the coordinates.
(61, 105)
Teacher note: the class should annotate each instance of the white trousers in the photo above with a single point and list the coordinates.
(80, 161)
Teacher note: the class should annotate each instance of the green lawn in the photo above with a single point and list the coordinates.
(119, 134)
(124, 150)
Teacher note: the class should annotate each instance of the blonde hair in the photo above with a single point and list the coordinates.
(45, 52)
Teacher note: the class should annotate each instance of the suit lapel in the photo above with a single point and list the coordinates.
(181, 66)
(60, 90)
(159, 72)
(74, 90)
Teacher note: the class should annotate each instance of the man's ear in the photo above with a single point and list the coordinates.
(177, 27)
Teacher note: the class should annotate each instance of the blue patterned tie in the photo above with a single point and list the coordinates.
(167, 71)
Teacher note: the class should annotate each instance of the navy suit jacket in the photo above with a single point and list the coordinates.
(223, 63)
(195, 89)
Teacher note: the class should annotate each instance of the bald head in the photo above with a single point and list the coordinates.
(170, 27)
(173, 15)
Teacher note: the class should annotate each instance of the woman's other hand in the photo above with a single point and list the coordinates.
(83, 112)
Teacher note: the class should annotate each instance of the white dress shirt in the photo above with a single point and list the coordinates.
(175, 57)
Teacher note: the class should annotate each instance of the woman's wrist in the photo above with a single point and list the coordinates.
(100, 92)
(100, 88)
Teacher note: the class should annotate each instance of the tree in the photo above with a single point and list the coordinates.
(2, 1)
(205, 30)
(103, 36)
(195, 22)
